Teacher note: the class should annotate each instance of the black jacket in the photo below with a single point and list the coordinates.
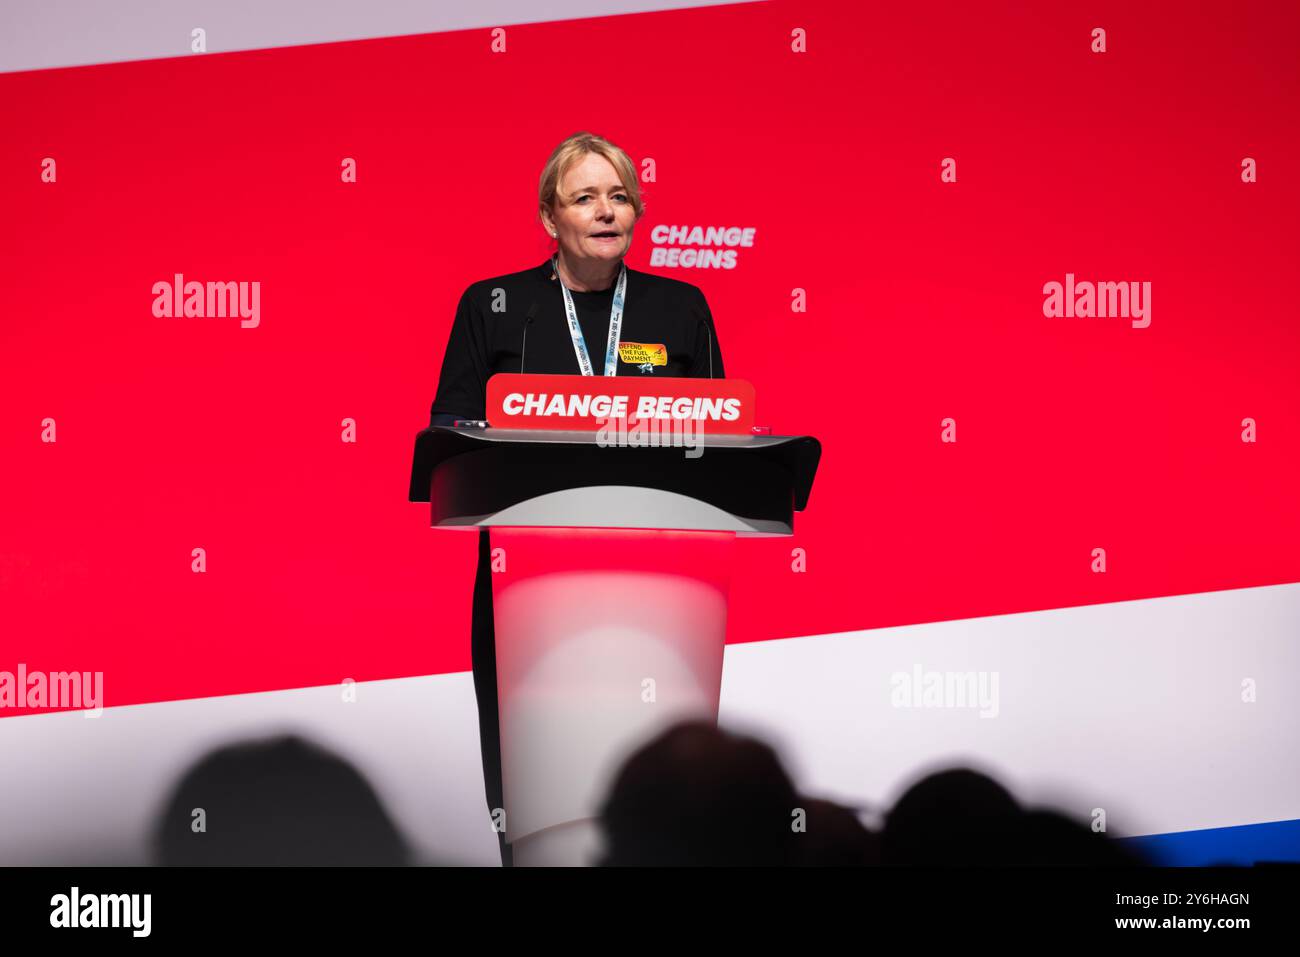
(487, 335)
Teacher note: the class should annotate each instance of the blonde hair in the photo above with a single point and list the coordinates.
(571, 151)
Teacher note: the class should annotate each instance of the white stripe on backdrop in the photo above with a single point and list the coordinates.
(1135, 707)
(41, 34)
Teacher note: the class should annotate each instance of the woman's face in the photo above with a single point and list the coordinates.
(597, 222)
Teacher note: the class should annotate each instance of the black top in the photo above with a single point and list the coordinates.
(487, 335)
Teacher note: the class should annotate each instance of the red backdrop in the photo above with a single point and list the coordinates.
(924, 302)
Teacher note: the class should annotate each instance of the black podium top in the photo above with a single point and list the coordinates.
(487, 476)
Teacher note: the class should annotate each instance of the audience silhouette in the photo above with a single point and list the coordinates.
(960, 817)
(279, 801)
(695, 795)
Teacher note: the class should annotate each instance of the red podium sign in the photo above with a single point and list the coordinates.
(589, 403)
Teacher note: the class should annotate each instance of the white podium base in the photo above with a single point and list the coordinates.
(605, 638)
(575, 844)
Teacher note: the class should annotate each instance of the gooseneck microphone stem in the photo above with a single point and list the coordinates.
(528, 321)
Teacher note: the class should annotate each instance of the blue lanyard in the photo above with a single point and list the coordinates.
(615, 324)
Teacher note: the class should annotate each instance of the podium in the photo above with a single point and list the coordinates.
(611, 573)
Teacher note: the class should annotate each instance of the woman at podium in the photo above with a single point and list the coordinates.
(580, 312)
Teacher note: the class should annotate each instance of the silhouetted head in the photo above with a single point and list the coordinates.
(1054, 840)
(961, 818)
(834, 837)
(697, 795)
(281, 801)
(956, 817)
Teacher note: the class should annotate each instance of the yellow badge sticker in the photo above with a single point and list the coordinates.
(643, 353)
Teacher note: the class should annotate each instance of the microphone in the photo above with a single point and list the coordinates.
(710, 332)
(528, 321)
